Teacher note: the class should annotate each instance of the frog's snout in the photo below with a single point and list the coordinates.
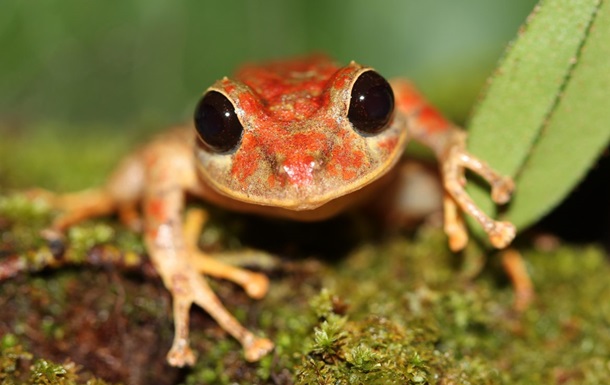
(299, 170)
(299, 160)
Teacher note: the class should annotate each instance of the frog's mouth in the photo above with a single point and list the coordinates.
(301, 204)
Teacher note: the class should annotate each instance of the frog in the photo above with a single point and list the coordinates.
(301, 139)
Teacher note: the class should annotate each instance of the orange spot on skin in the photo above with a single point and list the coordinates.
(228, 86)
(313, 141)
(304, 108)
(246, 160)
(249, 104)
(408, 99)
(348, 159)
(152, 232)
(150, 161)
(389, 144)
(411, 102)
(342, 78)
(331, 169)
(432, 120)
(357, 158)
(155, 208)
(348, 174)
(271, 180)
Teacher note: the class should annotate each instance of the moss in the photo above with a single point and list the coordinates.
(11, 353)
(17, 366)
(398, 309)
(328, 337)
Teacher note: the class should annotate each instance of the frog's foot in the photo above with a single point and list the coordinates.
(184, 279)
(181, 354)
(256, 348)
(190, 287)
(457, 160)
(256, 285)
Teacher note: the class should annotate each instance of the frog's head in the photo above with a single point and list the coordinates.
(297, 135)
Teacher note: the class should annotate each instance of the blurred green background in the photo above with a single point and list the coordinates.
(72, 69)
(100, 61)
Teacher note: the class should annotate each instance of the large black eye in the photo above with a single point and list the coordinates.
(372, 103)
(216, 122)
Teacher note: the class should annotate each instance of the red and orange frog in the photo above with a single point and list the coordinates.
(302, 139)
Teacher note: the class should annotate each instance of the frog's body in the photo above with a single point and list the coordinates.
(296, 150)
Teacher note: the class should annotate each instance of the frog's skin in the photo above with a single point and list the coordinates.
(299, 158)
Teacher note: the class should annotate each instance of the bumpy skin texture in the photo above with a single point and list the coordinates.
(299, 158)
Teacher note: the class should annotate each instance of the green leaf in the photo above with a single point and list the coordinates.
(545, 116)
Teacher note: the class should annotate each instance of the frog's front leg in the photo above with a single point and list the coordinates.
(255, 284)
(448, 143)
(454, 163)
(169, 173)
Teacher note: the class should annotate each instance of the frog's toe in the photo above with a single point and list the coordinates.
(458, 237)
(181, 355)
(256, 348)
(502, 234)
(502, 190)
(257, 285)
(454, 225)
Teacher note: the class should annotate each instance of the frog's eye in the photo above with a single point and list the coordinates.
(216, 122)
(371, 104)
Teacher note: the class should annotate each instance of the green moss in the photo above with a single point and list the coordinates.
(45, 372)
(10, 355)
(16, 367)
(322, 304)
(428, 330)
(328, 336)
(401, 309)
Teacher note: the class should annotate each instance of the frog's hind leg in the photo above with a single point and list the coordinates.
(76, 207)
(121, 193)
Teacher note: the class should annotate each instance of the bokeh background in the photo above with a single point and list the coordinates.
(145, 62)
